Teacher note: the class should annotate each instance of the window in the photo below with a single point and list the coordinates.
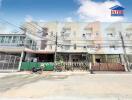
(21, 39)
(67, 35)
(113, 46)
(51, 47)
(67, 47)
(14, 39)
(98, 60)
(110, 34)
(84, 35)
(75, 47)
(97, 33)
(130, 48)
(84, 47)
(62, 47)
(45, 31)
(98, 46)
(88, 34)
(128, 35)
(66, 29)
(51, 33)
(67, 42)
(2, 39)
(33, 45)
(8, 39)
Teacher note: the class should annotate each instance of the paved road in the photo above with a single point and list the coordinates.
(66, 86)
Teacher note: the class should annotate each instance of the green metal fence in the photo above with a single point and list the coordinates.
(29, 65)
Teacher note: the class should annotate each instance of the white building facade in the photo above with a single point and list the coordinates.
(76, 41)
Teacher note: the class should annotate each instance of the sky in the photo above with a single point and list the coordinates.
(19, 11)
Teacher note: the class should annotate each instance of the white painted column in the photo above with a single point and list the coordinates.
(20, 62)
(70, 58)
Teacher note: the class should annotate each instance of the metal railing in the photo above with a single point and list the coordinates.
(9, 62)
(72, 66)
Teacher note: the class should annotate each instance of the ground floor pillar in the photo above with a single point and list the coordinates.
(106, 58)
(125, 62)
(70, 58)
(20, 62)
(93, 58)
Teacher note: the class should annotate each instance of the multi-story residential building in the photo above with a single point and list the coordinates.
(72, 42)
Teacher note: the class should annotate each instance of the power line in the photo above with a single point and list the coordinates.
(90, 40)
(34, 26)
(9, 22)
(22, 28)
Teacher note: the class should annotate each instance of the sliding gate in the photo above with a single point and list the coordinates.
(9, 62)
(72, 66)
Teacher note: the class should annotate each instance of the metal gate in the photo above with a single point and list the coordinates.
(72, 66)
(9, 62)
(108, 67)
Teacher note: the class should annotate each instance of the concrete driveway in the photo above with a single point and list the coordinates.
(66, 86)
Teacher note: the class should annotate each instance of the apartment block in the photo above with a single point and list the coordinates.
(94, 42)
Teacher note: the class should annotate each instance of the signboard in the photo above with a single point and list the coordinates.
(117, 11)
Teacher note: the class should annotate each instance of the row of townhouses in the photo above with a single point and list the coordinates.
(94, 42)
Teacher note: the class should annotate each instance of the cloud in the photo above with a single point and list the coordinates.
(97, 11)
(68, 19)
(41, 20)
(29, 18)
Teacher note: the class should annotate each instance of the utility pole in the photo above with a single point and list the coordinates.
(89, 60)
(124, 50)
(22, 53)
(56, 43)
